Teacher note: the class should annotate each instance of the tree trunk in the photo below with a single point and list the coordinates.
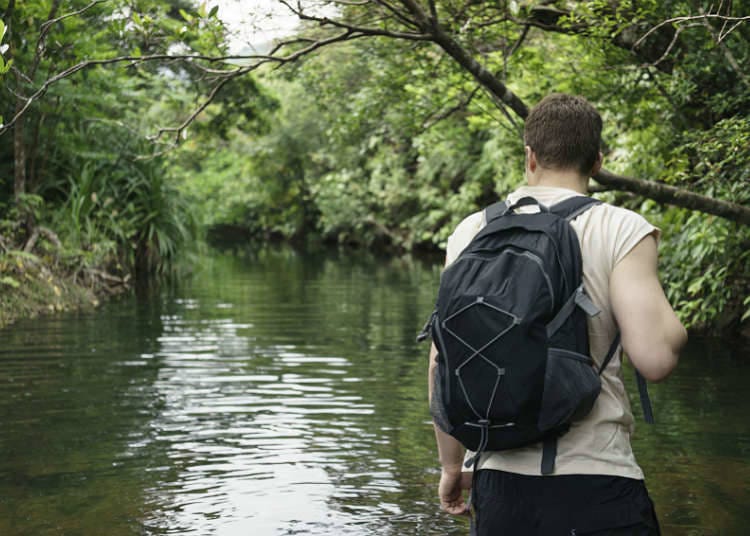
(19, 149)
(19, 155)
(34, 159)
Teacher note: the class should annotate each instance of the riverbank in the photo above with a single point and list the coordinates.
(33, 285)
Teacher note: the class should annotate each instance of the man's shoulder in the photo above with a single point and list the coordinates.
(621, 211)
(616, 214)
(463, 234)
(470, 224)
(612, 231)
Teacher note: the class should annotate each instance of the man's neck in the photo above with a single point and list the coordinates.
(559, 179)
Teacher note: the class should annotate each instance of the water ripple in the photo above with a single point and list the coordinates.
(283, 394)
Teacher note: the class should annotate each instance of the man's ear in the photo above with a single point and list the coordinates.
(531, 163)
(597, 164)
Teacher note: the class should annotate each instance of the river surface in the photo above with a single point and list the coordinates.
(279, 392)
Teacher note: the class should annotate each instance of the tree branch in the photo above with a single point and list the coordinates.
(433, 11)
(653, 190)
(519, 42)
(462, 104)
(121, 59)
(687, 18)
(350, 32)
(344, 36)
(46, 26)
(546, 18)
(397, 13)
(355, 29)
(670, 195)
(179, 130)
(260, 59)
(42, 35)
(726, 50)
(462, 56)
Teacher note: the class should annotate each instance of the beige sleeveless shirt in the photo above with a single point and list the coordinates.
(600, 443)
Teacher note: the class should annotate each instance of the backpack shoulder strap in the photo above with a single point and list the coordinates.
(574, 206)
(648, 412)
(495, 210)
(501, 208)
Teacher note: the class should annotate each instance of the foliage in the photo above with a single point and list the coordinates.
(705, 266)
(4, 65)
(386, 143)
(369, 141)
(122, 211)
(83, 151)
(360, 152)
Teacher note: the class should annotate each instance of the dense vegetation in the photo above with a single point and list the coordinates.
(386, 123)
(87, 191)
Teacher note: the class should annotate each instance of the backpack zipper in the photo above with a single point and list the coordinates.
(529, 255)
(568, 354)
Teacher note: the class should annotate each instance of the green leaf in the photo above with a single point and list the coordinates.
(7, 280)
(5, 67)
(214, 11)
(185, 15)
(23, 255)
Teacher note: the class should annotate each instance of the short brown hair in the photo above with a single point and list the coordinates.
(564, 131)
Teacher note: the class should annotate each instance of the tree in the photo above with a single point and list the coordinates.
(80, 160)
(463, 30)
(410, 143)
(447, 83)
(469, 28)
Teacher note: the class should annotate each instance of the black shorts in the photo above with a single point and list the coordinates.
(509, 504)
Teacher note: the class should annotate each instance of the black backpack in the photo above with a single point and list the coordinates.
(510, 328)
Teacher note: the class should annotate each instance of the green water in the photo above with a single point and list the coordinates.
(283, 393)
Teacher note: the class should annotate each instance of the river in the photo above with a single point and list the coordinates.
(278, 392)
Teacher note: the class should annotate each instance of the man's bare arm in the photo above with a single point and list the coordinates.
(652, 335)
(453, 481)
(450, 450)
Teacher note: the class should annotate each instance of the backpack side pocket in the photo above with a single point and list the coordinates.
(437, 402)
(571, 385)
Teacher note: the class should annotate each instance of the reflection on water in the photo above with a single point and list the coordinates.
(281, 393)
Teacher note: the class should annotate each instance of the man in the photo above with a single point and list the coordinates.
(597, 486)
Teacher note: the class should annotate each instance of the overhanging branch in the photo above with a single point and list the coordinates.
(47, 25)
(653, 190)
(70, 71)
(259, 59)
(416, 24)
(178, 130)
(360, 30)
(663, 193)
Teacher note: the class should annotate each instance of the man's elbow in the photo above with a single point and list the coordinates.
(659, 367)
(656, 362)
